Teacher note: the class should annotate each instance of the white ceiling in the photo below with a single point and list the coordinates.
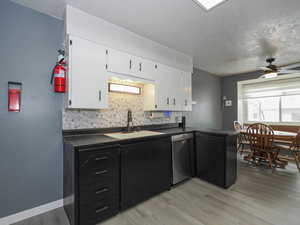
(232, 38)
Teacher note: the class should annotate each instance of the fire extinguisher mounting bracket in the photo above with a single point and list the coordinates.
(11, 83)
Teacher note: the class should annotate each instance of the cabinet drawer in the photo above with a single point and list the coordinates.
(89, 161)
(98, 166)
(97, 176)
(98, 192)
(92, 213)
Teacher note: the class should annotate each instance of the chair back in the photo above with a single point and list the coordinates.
(260, 137)
(296, 142)
(237, 126)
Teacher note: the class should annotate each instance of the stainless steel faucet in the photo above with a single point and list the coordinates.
(129, 120)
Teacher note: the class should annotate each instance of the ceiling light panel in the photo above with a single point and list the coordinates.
(209, 4)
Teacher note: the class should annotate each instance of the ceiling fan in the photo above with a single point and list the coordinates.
(271, 70)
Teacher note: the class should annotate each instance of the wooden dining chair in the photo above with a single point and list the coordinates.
(241, 139)
(261, 137)
(293, 148)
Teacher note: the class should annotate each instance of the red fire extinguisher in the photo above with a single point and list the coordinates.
(59, 75)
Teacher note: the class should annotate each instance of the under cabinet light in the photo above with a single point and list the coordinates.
(121, 88)
(209, 4)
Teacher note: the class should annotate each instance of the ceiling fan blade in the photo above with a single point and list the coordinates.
(265, 69)
(288, 71)
(292, 66)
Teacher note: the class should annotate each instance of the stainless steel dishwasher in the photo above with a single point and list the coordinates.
(182, 148)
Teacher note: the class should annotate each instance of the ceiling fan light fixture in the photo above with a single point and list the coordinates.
(270, 75)
(209, 4)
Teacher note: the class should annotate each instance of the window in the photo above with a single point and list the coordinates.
(276, 100)
(290, 108)
(263, 109)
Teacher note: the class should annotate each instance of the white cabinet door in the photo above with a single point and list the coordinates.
(87, 76)
(136, 66)
(147, 69)
(171, 90)
(127, 64)
(187, 91)
(163, 84)
(177, 91)
(154, 96)
(119, 62)
(168, 88)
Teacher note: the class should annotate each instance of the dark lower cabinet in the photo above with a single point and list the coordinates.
(216, 158)
(145, 170)
(92, 188)
(101, 181)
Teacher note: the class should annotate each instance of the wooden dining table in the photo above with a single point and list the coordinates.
(280, 137)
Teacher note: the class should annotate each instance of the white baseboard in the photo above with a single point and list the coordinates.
(14, 218)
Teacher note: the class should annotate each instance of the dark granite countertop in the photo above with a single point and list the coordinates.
(87, 138)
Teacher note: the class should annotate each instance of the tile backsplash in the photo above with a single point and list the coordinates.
(115, 115)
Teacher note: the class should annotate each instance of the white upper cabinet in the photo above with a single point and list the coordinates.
(171, 91)
(177, 93)
(187, 91)
(168, 94)
(127, 64)
(166, 89)
(146, 69)
(119, 62)
(163, 87)
(87, 76)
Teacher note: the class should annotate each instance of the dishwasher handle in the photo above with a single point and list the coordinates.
(182, 137)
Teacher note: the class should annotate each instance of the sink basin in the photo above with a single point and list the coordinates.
(121, 135)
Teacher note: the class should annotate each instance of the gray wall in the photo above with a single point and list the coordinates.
(31, 141)
(229, 89)
(207, 113)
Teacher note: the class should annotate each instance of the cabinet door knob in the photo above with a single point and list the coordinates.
(174, 101)
(130, 64)
(140, 67)
(100, 97)
(168, 101)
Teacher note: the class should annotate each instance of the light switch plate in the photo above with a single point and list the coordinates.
(228, 103)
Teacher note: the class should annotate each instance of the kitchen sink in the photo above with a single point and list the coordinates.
(135, 134)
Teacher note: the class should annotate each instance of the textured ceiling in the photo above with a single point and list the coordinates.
(232, 38)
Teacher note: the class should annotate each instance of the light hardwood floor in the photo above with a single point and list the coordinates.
(259, 197)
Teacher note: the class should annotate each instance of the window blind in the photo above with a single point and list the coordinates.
(273, 88)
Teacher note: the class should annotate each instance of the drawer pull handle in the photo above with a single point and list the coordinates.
(101, 172)
(101, 158)
(101, 191)
(102, 209)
